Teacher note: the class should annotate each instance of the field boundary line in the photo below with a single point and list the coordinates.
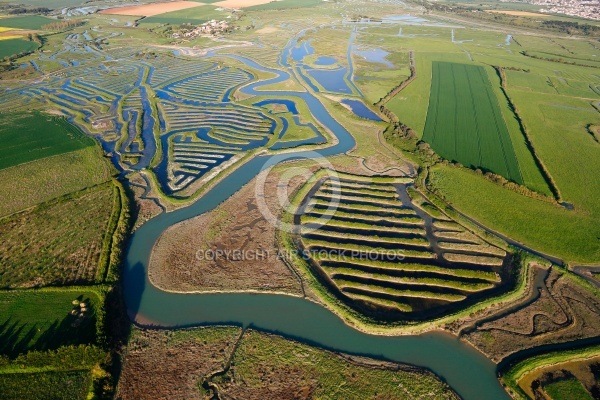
(544, 171)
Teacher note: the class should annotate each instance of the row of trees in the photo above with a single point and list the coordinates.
(62, 25)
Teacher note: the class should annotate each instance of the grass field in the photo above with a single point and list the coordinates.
(32, 183)
(282, 4)
(546, 227)
(196, 16)
(56, 385)
(15, 46)
(43, 320)
(464, 122)
(60, 242)
(31, 136)
(567, 389)
(34, 22)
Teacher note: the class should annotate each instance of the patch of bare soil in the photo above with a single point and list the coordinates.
(148, 10)
(169, 365)
(563, 311)
(232, 248)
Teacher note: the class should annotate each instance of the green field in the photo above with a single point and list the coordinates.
(42, 320)
(464, 122)
(29, 184)
(11, 47)
(567, 389)
(546, 227)
(28, 137)
(69, 385)
(281, 4)
(28, 22)
(195, 16)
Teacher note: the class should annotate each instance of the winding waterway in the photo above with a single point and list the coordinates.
(466, 370)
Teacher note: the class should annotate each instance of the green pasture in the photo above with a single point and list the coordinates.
(30, 136)
(282, 4)
(11, 47)
(464, 122)
(34, 22)
(194, 16)
(546, 227)
(42, 320)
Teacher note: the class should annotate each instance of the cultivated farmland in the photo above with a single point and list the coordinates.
(15, 46)
(385, 248)
(464, 122)
(27, 143)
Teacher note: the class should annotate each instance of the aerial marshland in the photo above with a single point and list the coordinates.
(402, 174)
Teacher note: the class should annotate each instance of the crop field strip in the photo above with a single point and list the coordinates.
(26, 144)
(382, 251)
(464, 122)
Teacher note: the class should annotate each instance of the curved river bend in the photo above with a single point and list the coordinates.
(466, 370)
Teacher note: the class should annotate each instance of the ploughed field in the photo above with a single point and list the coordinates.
(385, 249)
(464, 122)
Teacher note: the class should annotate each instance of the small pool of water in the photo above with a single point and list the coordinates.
(324, 60)
(375, 56)
(331, 80)
(302, 50)
(360, 109)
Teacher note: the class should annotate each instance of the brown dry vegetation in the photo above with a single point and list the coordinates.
(237, 224)
(563, 311)
(148, 10)
(269, 367)
(170, 364)
(174, 364)
(146, 207)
